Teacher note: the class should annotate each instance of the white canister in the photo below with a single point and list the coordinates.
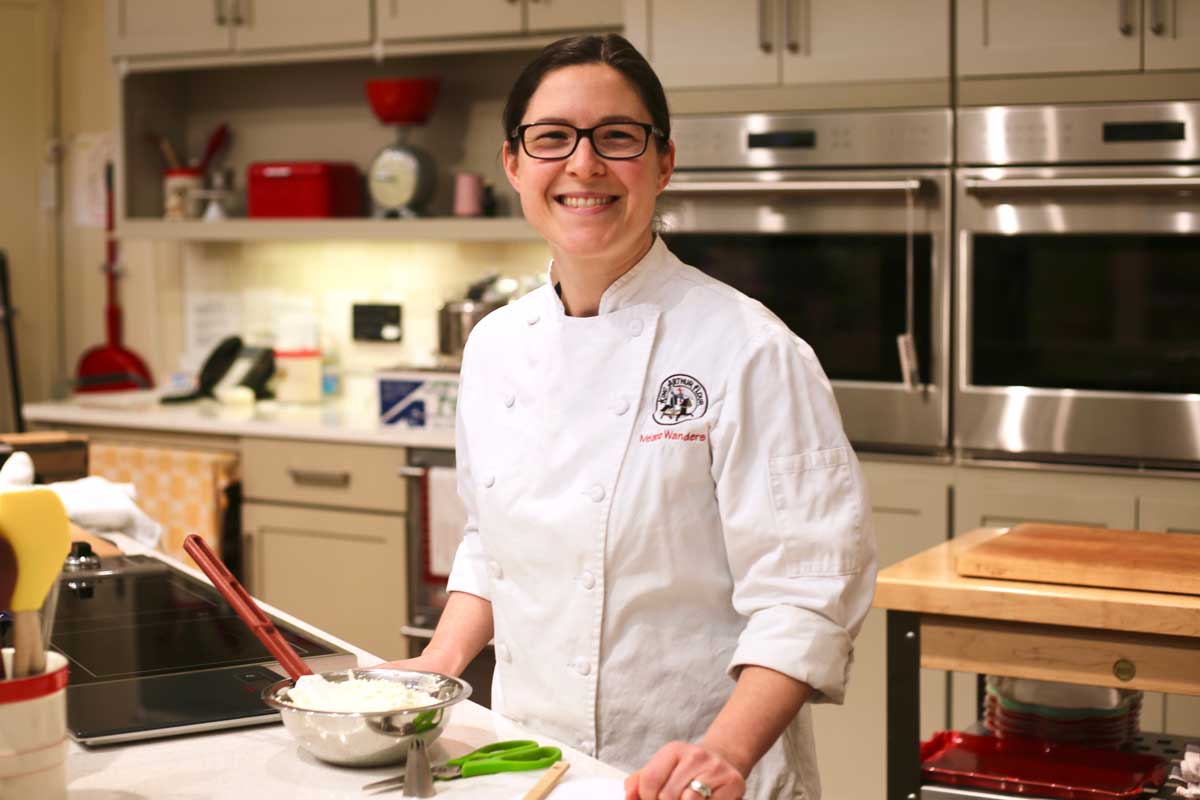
(33, 732)
(181, 198)
(298, 376)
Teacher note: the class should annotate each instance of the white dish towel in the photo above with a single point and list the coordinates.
(447, 517)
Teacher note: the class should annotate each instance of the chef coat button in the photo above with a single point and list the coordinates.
(509, 399)
(495, 570)
(502, 653)
(587, 580)
(581, 665)
(489, 481)
(635, 328)
(532, 319)
(620, 406)
(596, 493)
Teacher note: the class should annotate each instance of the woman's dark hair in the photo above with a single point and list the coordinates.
(609, 48)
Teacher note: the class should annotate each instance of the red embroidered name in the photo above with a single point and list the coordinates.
(672, 436)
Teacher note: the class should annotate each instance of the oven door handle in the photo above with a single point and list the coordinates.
(407, 471)
(763, 187)
(1051, 184)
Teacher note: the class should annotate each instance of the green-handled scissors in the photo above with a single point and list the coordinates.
(517, 755)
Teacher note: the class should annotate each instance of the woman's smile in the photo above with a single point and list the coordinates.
(586, 202)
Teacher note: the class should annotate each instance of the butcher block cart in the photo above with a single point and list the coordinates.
(1116, 637)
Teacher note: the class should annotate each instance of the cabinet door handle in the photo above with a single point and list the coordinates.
(764, 26)
(219, 12)
(1125, 17)
(238, 17)
(792, 23)
(327, 480)
(1158, 17)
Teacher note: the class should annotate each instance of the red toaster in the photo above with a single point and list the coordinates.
(304, 189)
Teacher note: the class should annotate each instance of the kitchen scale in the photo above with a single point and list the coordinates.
(401, 177)
(154, 652)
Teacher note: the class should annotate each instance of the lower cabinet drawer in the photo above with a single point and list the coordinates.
(342, 571)
(324, 474)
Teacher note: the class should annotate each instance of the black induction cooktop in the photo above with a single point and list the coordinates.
(155, 652)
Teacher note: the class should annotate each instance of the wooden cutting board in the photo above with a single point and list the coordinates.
(1082, 556)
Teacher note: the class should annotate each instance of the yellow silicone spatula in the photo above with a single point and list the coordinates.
(36, 525)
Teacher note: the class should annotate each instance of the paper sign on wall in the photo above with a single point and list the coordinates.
(90, 152)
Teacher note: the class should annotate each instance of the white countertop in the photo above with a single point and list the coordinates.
(353, 419)
(264, 762)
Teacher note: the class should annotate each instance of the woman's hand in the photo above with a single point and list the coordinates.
(431, 660)
(669, 773)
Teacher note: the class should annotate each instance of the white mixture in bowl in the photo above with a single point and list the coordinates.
(360, 695)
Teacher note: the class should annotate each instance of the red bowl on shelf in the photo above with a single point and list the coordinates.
(403, 101)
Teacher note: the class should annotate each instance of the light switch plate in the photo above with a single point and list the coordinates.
(376, 322)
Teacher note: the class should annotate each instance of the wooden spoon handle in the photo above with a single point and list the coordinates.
(548, 781)
(29, 654)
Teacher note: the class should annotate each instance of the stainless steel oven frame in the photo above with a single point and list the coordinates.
(1155, 429)
(902, 416)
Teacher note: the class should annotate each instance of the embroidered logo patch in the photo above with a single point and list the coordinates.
(680, 398)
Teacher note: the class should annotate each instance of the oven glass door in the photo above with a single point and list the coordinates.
(1108, 312)
(1079, 335)
(850, 261)
(844, 294)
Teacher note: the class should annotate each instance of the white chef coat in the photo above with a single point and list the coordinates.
(657, 495)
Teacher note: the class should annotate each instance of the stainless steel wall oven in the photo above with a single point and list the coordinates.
(840, 224)
(1078, 290)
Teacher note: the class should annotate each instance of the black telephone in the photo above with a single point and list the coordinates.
(231, 364)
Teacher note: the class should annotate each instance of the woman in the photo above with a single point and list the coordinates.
(667, 531)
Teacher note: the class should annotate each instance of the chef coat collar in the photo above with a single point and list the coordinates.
(632, 288)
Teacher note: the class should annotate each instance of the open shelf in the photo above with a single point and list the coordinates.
(504, 229)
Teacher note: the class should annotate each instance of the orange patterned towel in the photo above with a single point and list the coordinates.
(183, 490)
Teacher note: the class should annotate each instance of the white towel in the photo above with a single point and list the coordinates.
(99, 505)
(447, 518)
(93, 503)
(17, 471)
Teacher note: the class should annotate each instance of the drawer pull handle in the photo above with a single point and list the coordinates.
(1124, 669)
(328, 480)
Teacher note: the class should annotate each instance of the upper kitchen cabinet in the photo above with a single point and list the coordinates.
(719, 43)
(197, 27)
(1173, 34)
(400, 20)
(563, 15)
(697, 43)
(835, 41)
(406, 19)
(1043, 37)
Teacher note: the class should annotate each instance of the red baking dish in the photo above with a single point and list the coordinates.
(1039, 768)
(304, 189)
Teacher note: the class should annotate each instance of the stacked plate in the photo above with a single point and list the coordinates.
(1089, 716)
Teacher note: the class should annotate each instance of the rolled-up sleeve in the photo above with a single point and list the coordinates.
(794, 514)
(469, 572)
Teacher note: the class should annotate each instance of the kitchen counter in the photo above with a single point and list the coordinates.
(353, 419)
(264, 761)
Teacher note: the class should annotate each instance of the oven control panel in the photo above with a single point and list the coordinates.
(1070, 134)
(856, 139)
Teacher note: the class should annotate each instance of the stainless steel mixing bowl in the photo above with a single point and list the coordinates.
(369, 739)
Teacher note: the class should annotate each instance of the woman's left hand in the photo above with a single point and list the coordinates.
(669, 774)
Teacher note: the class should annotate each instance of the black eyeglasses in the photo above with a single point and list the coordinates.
(616, 141)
